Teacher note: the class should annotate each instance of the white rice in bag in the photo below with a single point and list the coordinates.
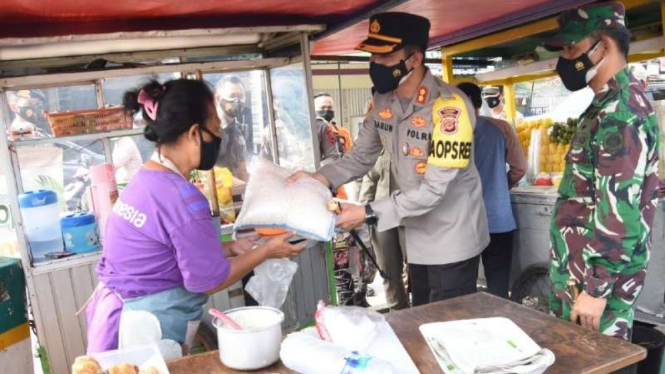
(272, 202)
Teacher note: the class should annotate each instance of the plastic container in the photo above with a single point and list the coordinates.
(41, 221)
(654, 342)
(257, 345)
(80, 232)
(141, 356)
(103, 193)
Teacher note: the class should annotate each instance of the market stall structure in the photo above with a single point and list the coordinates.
(86, 63)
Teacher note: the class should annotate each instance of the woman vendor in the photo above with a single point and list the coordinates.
(161, 251)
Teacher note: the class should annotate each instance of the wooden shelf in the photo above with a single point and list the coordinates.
(98, 135)
(65, 263)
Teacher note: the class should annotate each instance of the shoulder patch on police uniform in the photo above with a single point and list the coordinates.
(419, 121)
(422, 95)
(417, 152)
(420, 167)
(452, 134)
(386, 114)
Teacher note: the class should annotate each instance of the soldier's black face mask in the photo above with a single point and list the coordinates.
(328, 115)
(387, 78)
(578, 72)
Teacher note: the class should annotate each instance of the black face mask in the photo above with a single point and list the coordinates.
(34, 114)
(492, 102)
(232, 109)
(328, 115)
(388, 78)
(576, 73)
(209, 151)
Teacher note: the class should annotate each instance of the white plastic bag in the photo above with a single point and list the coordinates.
(353, 328)
(301, 206)
(304, 352)
(271, 282)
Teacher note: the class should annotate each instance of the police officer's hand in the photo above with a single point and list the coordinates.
(351, 216)
(588, 310)
(304, 174)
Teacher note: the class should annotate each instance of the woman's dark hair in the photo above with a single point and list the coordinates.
(182, 103)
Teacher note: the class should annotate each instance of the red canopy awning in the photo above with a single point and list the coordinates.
(31, 18)
(452, 20)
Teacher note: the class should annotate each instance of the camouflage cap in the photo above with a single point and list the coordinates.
(578, 23)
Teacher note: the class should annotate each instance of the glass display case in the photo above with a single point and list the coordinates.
(33, 158)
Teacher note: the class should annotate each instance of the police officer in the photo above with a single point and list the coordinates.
(427, 127)
(601, 228)
(230, 99)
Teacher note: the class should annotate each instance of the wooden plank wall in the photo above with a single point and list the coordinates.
(60, 295)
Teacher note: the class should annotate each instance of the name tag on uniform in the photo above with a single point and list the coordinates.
(452, 134)
(383, 126)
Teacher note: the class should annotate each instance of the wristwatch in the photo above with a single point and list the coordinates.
(370, 217)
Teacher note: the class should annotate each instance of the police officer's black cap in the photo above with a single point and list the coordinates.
(391, 31)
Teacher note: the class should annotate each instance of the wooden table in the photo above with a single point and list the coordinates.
(577, 350)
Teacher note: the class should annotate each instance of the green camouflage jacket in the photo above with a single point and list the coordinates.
(601, 227)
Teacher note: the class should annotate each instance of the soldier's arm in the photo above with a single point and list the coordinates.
(620, 153)
(358, 161)
(450, 152)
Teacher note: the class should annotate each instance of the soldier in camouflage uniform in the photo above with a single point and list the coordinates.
(601, 228)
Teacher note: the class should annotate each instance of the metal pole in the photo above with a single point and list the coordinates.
(307, 65)
(210, 174)
(271, 117)
(106, 142)
(13, 181)
(340, 104)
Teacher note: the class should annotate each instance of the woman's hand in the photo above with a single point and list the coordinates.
(242, 245)
(279, 247)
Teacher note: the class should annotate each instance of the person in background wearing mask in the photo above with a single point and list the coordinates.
(495, 145)
(331, 143)
(29, 106)
(325, 110)
(334, 141)
(427, 127)
(494, 99)
(230, 98)
(601, 227)
(162, 254)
